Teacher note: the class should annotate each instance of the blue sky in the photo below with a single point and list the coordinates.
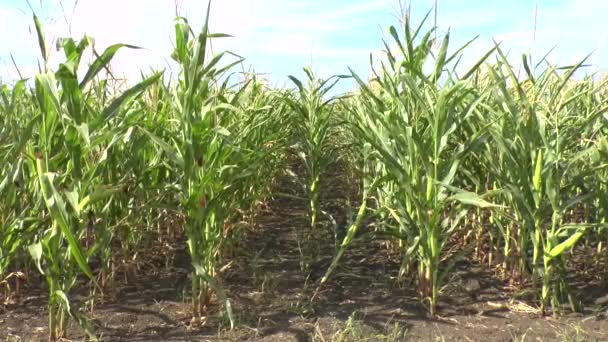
(279, 37)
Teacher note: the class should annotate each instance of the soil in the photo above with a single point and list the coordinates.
(271, 299)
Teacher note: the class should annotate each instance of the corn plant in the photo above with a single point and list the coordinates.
(64, 157)
(199, 153)
(217, 151)
(313, 127)
(411, 126)
(537, 153)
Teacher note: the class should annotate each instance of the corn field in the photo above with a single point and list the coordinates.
(503, 164)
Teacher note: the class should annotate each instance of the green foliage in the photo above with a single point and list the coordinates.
(90, 173)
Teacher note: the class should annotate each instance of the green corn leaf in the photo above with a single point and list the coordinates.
(471, 198)
(219, 35)
(171, 152)
(441, 57)
(112, 109)
(529, 73)
(56, 206)
(72, 197)
(395, 35)
(567, 244)
(46, 84)
(479, 62)
(102, 62)
(41, 40)
(98, 194)
(298, 84)
(538, 172)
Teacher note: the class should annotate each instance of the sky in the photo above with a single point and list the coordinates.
(279, 37)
